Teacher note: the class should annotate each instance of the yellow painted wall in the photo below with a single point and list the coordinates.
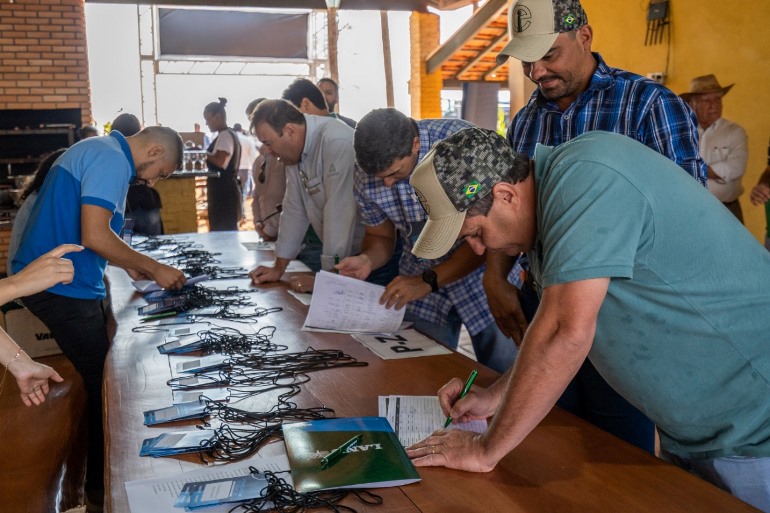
(729, 39)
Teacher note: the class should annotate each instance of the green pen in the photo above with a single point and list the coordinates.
(336, 261)
(462, 394)
(159, 316)
(340, 452)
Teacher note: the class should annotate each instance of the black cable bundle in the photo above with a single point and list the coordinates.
(310, 360)
(153, 243)
(225, 301)
(243, 433)
(189, 258)
(195, 262)
(256, 374)
(282, 497)
(224, 340)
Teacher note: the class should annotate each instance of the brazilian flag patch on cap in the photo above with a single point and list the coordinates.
(471, 189)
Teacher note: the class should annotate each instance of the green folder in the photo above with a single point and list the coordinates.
(359, 452)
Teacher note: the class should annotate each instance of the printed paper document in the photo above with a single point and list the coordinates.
(347, 305)
(415, 417)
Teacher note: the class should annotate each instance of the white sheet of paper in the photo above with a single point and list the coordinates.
(295, 266)
(186, 396)
(347, 305)
(302, 297)
(259, 246)
(158, 494)
(402, 344)
(415, 417)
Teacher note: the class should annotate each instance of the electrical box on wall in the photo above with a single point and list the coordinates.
(657, 76)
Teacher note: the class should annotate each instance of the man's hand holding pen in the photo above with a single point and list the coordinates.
(454, 448)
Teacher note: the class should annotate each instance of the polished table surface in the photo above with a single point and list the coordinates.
(565, 465)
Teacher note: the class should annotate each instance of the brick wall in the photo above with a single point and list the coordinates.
(5, 240)
(43, 56)
(179, 205)
(424, 88)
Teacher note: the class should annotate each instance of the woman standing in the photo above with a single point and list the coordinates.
(223, 156)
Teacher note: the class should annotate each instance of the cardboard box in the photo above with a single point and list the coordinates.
(29, 332)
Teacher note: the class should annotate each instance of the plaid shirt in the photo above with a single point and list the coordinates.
(398, 203)
(615, 101)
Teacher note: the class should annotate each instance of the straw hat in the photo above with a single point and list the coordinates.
(703, 85)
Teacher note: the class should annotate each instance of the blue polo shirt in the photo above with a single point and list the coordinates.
(96, 171)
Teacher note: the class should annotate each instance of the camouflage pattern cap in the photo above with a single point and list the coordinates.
(534, 26)
(455, 174)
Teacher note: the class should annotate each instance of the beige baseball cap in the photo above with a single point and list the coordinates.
(534, 26)
(451, 178)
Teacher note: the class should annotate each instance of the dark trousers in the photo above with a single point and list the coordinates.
(591, 398)
(78, 325)
(310, 255)
(735, 207)
(224, 198)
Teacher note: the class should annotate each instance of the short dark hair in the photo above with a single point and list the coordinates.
(88, 129)
(253, 105)
(332, 82)
(517, 173)
(216, 108)
(276, 113)
(127, 124)
(169, 138)
(381, 137)
(41, 172)
(304, 88)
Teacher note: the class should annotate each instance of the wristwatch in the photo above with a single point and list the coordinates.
(429, 277)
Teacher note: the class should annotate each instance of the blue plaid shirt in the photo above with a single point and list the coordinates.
(615, 101)
(377, 203)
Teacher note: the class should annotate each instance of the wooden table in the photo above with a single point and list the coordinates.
(565, 465)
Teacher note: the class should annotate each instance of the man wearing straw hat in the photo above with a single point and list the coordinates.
(723, 144)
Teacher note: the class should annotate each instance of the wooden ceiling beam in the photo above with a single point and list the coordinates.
(377, 5)
(491, 72)
(482, 53)
(470, 28)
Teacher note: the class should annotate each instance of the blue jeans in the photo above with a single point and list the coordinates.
(744, 477)
(79, 327)
(492, 348)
